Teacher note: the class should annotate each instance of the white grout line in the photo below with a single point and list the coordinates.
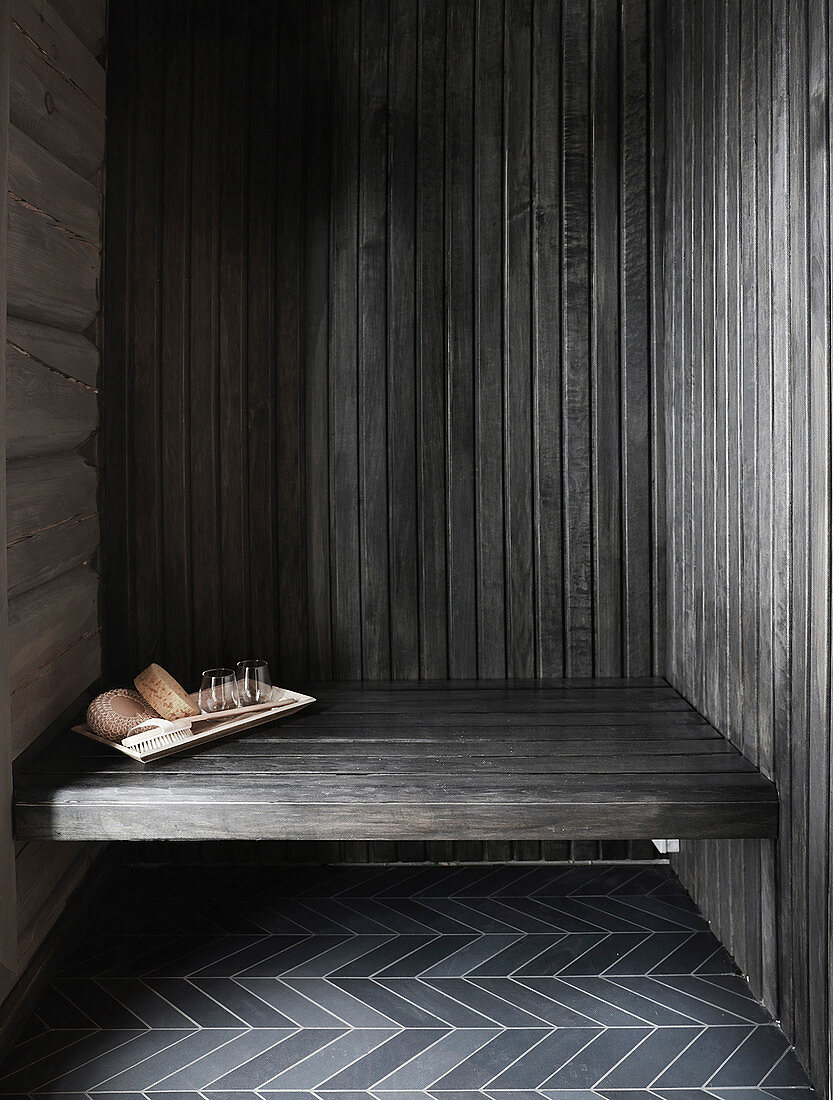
(666, 1067)
(624, 1057)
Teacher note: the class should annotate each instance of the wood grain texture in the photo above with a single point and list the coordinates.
(46, 554)
(46, 103)
(373, 785)
(65, 353)
(45, 493)
(8, 926)
(53, 688)
(748, 364)
(88, 20)
(56, 138)
(64, 51)
(47, 620)
(47, 410)
(417, 352)
(53, 277)
(40, 179)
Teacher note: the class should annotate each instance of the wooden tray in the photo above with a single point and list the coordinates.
(205, 728)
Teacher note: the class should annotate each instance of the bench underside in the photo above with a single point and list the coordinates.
(600, 759)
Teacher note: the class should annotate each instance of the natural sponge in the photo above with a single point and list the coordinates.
(164, 694)
(116, 713)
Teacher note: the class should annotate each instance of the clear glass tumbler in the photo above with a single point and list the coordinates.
(253, 682)
(218, 690)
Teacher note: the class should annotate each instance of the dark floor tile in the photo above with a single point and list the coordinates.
(539, 1007)
(248, 955)
(584, 1001)
(550, 920)
(148, 1005)
(408, 916)
(470, 916)
(670, 999)
(700, 953)
(327, 1062)
(445, 1004)
(746, 1093)
(660, 914)
(341, 1002)
(683, 1094)
(609, 951)
(521, 953)
(643, 1003)
(491, 1060)
(613, 915)
(764, 1055)
(649, 952)
(459, 1094)
(381, 1062)
(469, 957)
(57, 1012)
(571, 1094)
(480, 997)
(567, 951)
(570, 917)
(594, 1061)
(703, 1058)
(402, 983)
(120, 1095)
(377, 956)
(424, 958)
(331, 918)
(156, 1096)
(437, 1060)
(297, 1049)
(98, 1004)
(649, 1059)
(389, 1003)
(29, 1052)
(289, 1003)
(633, 1094)
(515, 913)
(728, 992)
(123, 1052)
(23, 1074)
(791, 1092)
(248, 1008)
(215, 1054)
(536, 1066)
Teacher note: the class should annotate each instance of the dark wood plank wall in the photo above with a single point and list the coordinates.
(56, 140)
(382, 378)
(748, 352)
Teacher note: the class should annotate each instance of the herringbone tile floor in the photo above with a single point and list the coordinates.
(401, 983)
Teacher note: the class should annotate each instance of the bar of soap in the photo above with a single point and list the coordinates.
(168, 698)
(116, 713)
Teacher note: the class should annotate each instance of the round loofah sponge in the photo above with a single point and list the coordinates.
(165, 695)
(116, 713)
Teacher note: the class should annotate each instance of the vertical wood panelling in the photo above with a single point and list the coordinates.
(392, 387)
(748, 365)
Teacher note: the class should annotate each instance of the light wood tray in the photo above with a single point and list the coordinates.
(205, 728)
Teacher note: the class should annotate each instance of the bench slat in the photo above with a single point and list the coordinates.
(421, 762)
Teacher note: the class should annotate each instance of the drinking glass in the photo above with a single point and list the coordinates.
(253, 682)
(218, 690)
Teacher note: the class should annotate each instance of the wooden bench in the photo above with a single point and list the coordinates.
(619, 759)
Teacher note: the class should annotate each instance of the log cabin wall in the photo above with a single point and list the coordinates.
(382, 392)
(748, 389)
(56, 141)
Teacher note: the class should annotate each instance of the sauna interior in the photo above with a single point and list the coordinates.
(470, 362)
